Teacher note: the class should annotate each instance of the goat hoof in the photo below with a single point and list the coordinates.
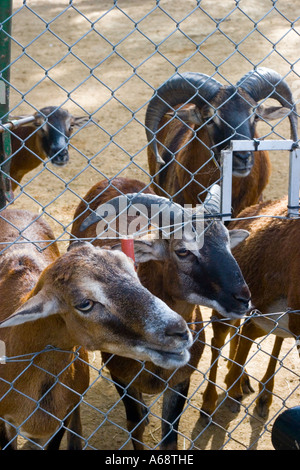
(262, 408)
(145, 413)
(234, 404)
(246, 386)
(205, 418)
(169, 447)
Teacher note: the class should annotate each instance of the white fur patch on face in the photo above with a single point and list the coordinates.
(161, 317)
(60, 143)
(45, 127)
(213, 304)
(200, 300)
(163, 313)
(94, 291)
(126, 262)
(216, 118)
(193, 245)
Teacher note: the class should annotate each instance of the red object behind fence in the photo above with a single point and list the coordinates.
(128, 248)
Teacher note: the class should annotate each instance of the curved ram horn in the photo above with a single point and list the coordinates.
(135, 198)
(266, 83)
(212, 203)
(196, 88)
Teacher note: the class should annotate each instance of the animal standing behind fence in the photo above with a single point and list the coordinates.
(180, 274)
(45, 137)
(207, 116)
(270, 262)
(88, 296)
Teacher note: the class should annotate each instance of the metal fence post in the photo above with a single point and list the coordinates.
(226, 188)
(41, 61)
(266, 145)
(5, 147)
(294, 183)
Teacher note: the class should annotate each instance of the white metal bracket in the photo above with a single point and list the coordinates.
(254, 145)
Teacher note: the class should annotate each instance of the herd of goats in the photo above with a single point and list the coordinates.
(95, 297)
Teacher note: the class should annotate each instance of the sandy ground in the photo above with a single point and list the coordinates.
(102, 60)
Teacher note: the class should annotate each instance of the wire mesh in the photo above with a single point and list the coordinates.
(104, 60)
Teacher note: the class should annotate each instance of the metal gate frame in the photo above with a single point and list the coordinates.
(256, 145)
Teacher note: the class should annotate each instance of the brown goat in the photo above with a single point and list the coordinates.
(87, 297)
(184, 152)
(270, 262)
(183, 279)
(45, 137)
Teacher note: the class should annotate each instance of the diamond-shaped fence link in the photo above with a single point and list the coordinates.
(81, 78)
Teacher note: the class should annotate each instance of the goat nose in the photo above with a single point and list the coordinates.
(244, 296)
(60, 157)
(244, 302)
(61, 152)
(178, 329)
(244, 156)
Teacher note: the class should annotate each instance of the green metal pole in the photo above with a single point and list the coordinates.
(5, 147)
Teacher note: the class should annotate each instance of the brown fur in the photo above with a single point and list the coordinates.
(90, 297)
(157, 284)
(160, 278)
(196, 170)
(21, 267)
(153, 380)
(24, 158)
(28, 150)
(270, 262)
(100, 193)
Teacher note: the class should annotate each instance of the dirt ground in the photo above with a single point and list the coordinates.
(105, 60)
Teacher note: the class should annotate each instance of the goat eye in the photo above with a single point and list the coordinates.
(40, 128)
(85, 306)
(209, 121)
(182, 252)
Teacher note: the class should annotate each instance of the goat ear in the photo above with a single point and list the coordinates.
(39, 120)
(237, 236)
(35, 308)
(272, 113)
(146, 250)
(79, 121)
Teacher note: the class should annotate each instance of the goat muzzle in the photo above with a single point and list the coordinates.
(242, 163)
(60, 158)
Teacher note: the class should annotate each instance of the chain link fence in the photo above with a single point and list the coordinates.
(102, 61)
